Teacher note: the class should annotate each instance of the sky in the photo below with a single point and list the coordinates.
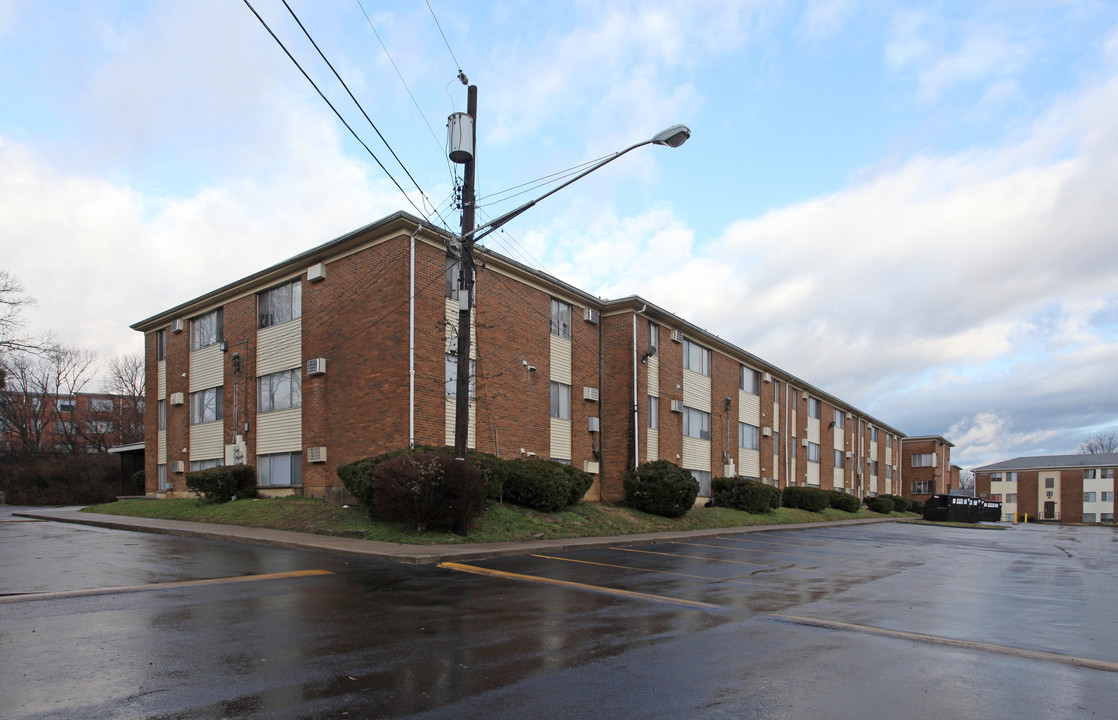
(910, 205)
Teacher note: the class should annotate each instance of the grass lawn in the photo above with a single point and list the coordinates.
(500, 522)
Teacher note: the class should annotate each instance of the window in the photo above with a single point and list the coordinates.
(1090, 474)
(776, 443)
(653, 335)
(64, 427)
(994, 477)
(813, 452)
(1049, 482)
(1088, 517)
(1011, 497)
(839, 460)
(840, 418)
(66, 404)
(653, 412)
(206, 406)
(873, 467)
(996, 497)
(813, 407)
(162, 414)
(283, 469)
(696, 358)
(205, 330)
(703, 478)
(452, 377)
(1011, 477)
(196, 465)
(452, 280)
(749, 436)
(929, 460)
(889, 440)
(888, 472)
(750, 381)
(696, 423)
(924, 487)
(560, 401)
(873, 434)
(280, 304)
(1107, 473)
(280, 391)
(160, 345)
(560, 319)
(1089, 497)
(1107, 496)
(1106, 517)
(161, 476)
(100, 427)
(100, 404)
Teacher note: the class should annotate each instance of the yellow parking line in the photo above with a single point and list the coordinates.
(710, 559)
(157, 586)
(1090, 663)
(580, 586)
(728, 547)
(640, 569)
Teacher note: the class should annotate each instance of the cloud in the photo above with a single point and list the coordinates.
(824, 18)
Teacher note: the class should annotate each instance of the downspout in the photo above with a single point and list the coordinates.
(636, 400)
(602, 414)
(411, 343)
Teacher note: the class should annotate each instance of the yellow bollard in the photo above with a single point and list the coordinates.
(1026, 518)
(1014, 517)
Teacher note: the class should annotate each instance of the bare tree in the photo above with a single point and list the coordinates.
(966, 479)
(23, 406)
(1099, 443)
(126, 379)
(40, 398)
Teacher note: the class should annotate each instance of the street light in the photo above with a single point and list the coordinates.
(462, 136)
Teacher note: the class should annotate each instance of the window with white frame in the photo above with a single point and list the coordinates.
(813, 452)
(749, 436)
(696, 358)
(696, 423)
(160, 345)
(994, 477)
(653, 335)
(1090, 474)
(1107, 496)
(560, 401)
(873, 467)
(282, 390)
(1089, 497)
(653, 412)
(888, 472)
(196, 465)
(280, 304)
(813, 406)
(1107, 474)
(100, 404)
(840, 461)
(66, 404)
(1049, 482)
(1011, 497)
(996, 497)
(207, 406)
(776, 443)
(889, 440)
(206, 330)
(923, 487)
(750, 380)
(161, 406)
(873, 434)
(161, 476)
(926, 460)
(1106, 517)
(100, 427)
(1088, 517)
(560, 319)
(452, 280)
(452, 376)
(1011, 477)
(703, 478)
(279, 469)
(840, 418)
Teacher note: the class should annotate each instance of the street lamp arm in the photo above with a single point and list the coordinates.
(672, 137)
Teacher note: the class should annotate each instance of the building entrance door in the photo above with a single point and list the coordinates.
(1050, 510)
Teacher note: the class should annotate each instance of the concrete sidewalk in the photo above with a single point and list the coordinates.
(396, 552)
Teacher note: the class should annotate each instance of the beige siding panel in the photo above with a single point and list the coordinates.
(813, 473)
(653, 375)
(889, 454)
(279, 431)
(560, 360)
(206, 368)
(749, 408)
(776, 415)
(452, 328)
(813, 430)
(873, 451)
(451, 405)
(750, 462)
(696, 394)
(696, 454)
(161, 380)
(279, 347)
(161, 445)
(839, 438)
(206, 441)
(560, 439)
(838, 478)
(653, 445)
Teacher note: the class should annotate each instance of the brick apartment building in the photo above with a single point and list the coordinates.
(928, 471)
(307, 365)
(1070, 488)
(39, 423)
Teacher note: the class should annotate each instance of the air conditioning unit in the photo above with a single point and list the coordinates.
(767, 432)
(316, 454)
(590, 466)
(677, 336)
(316, 366)
(178, 325)
(677, 406)
(177, 398)
(178, 466)
(594, 424)
(803, 443)
(849, 455)
(767, 377)
(591, 316)
(590, 393)
(316, 272)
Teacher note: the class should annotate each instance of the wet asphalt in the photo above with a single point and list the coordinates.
(837, 622)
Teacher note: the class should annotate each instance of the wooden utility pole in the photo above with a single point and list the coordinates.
(465, 292)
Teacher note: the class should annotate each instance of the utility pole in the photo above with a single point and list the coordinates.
(465, 290)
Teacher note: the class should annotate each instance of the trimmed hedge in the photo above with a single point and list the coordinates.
(806, 498)
(742, 494)
(60, 479)
(900, 504)
(224, 483)
(845, 501)
(661, 488)
(917, 507)
(580, 482)
(880, 504)
(537, 484)
(428, 491)
(357, 476)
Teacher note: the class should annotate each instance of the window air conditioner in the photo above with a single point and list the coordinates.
(590, 393)
(178, 466)
(677, 406)
(591, 315)
(594, 424)
(767, 377)
(803, 443)
(316, 272)
(316, 454)
(177, 325)
(677, 336)
(316, 366)
(767, 432)
(177, 398)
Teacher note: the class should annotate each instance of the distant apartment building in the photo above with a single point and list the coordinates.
(38, 423)
(928, 471)
(1070, 488)
(348, 350)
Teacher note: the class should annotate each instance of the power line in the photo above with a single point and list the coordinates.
(461, 75)
(553, 177)
(338, 114)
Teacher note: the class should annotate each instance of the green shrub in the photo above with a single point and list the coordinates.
(661, 488)
(900, 504)
(486, 466)
(806, 498)
(845, 501)
(428, 491)
(580, 482)
(881, 505)
(537, 484)
(917, 507)
(224, 483)
(741, 494)
(83, 479)
(138, 480)
(357, 476)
